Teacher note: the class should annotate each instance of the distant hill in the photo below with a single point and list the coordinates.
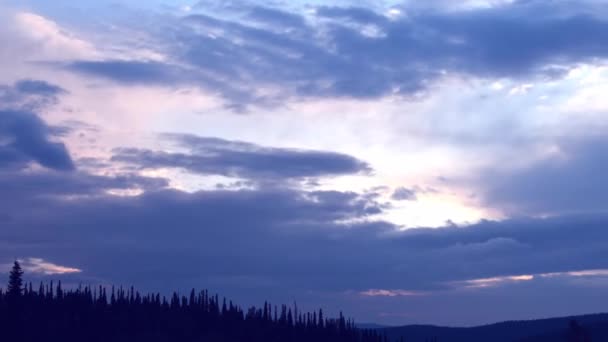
(371, 326)
(541, 330)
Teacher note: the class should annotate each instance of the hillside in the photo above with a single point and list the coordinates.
(541, 330)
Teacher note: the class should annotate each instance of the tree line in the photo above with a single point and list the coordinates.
(52, 313)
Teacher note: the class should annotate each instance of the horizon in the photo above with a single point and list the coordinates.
(54, 286)
(403, 162)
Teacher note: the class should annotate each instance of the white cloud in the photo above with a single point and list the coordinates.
(494, 281)
(390, 293)
(41, 266)
(50, 39)
(505, 280)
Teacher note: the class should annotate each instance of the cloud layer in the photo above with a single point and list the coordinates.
(570, 180)
(253, 54)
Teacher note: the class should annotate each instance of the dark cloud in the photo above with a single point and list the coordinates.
(569, 181)
(255, 244)
(276, 17)
(272, 242)
(136, 72)
(356, 14)
(244, 160)
(292, 239)
(357, 52)
(127, 71)
(219, 229)
(29, 95)
(24, 137)
(45, 184)
(38, 87)
(515, 42)
(404, 194)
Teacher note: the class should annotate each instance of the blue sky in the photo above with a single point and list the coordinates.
(404, 162)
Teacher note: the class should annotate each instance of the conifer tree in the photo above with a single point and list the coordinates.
(15, 282)
(84, 314)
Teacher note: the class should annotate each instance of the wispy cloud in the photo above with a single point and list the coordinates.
(37, 265)
(506, 280)
(239, 159)
(43, 267)
(494, 281)
(391, 293)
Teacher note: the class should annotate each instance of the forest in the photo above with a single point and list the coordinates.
(48, 312)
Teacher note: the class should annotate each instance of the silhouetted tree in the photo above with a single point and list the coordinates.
(15, 282)
(89, 314)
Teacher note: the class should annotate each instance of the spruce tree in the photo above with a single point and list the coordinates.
(15, 282)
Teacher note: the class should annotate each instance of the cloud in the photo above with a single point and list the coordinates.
(135, 72)
(495, 281)
(213, 156)
(56, 184)
(45, 38)
(37, 265)
(29, 94)
(331, 238)
(275, 17)
(279, 243)
(569, 180)
(268, 222)
(361, 53)
(25, 137)
(145, 72)
(354, 14)
(587, 277)
(404, 194)
(390, 293)
(38, 87)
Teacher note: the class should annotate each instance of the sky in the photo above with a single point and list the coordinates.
(406, 162)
